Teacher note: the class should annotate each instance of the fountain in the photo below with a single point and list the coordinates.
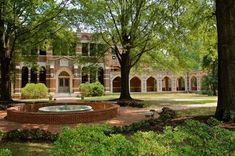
(66, 108)
(60, 113)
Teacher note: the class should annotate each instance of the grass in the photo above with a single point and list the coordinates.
(28, 149)
(161, 99)
(196, 112)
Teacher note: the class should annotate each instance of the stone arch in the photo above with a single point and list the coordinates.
(180, 84)
(117, 84)
(193, 83)
(151, 84)
(166, 84)
(24, 76)
(135, 84)
(42, 75)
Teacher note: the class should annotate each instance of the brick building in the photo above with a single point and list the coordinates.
(62, 75)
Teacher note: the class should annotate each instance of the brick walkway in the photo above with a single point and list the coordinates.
(127, 116)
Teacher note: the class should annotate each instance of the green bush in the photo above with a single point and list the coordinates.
(34, 91)
(91, 140)
(5, 152)
(192, 138)
(91, 89)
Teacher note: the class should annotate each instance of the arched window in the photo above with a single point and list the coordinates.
(33, 78)
(117, 84)
(166, 84)
(135, 84)
(24, 76)
(151, 84)
(42, 75)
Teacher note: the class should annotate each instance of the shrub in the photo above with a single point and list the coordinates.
(192, 138)
(91, 140)
(5, 152)
(146, 143)
(167, 114)
(213, 122)
(30, 135)
(91, 89)
(34, 91)
(97, 89)
(195, 138)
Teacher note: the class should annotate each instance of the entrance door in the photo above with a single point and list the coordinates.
(63, 82)
(64, 85)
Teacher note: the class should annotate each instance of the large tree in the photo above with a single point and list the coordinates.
(157, 30)
(131, 28)
(24, 25)
(225, 14)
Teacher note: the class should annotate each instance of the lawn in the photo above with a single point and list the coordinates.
(155, 99)
(196, 112)
(28, 149)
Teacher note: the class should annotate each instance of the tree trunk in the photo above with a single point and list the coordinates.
(5, 83)
(225, 14)
(125, 72)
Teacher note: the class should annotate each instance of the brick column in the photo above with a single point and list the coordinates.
(76, 79)
(17, 85)
(159, 85)
(143, 84)
(173, 84)
(52, 80)
(107, 79)
(198, 83)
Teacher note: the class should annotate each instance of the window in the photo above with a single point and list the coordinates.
(93, 49)
(42, 52)
(84, 49)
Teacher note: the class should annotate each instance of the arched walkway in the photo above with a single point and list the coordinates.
(117, 84)
(42, 75)
(24, 76)
(166, 84)
(194, 83)
(180, 84)
(135, 84)
(151, 84)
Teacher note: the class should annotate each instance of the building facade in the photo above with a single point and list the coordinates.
(63, 74)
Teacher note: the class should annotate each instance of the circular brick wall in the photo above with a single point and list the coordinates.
(29, 113)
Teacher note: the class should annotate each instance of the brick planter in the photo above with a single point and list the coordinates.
(28, 113)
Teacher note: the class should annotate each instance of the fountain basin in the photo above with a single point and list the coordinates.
(29, 113)
(66, 108)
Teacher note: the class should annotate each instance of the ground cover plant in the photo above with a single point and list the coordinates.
(190, 138)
